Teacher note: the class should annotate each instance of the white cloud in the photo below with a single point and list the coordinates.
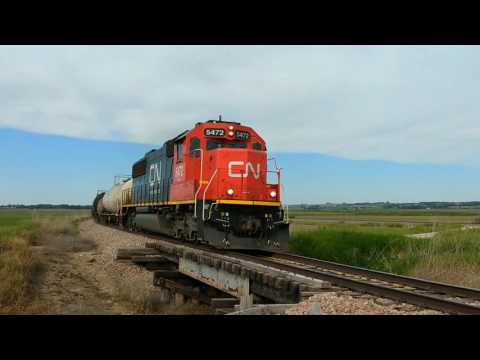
(401, 103)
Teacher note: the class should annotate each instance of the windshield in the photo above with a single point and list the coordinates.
(215, 144)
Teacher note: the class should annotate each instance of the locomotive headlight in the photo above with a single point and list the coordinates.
(230, 133)
(273, 194)
(230, 192)
(230, 127)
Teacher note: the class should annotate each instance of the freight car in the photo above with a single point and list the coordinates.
(207, 185)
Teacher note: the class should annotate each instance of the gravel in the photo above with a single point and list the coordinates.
(333, 303)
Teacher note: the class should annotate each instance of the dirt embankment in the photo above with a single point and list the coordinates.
(80, 275)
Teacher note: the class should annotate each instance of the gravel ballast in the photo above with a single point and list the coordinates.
(339, 303)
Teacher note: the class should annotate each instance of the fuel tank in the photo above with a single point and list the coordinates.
(149, 222)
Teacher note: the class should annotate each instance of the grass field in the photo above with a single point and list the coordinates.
(392, 212)
(453, 255)
(16, 222)
(445, 216)
(19, 229)
(373, 228)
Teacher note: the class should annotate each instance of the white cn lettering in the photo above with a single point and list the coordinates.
(155, 173)
(230, 165)
(248, 167)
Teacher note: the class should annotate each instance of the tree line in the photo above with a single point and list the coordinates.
(45, 206)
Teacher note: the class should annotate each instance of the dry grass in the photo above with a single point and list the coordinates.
(451, 257)
(48, 226)
(138, 298)
(19, 265)
(17, 269)
(301, 227)
(452, 272)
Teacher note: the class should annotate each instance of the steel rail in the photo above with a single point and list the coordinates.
(407, 296)
(442, 288)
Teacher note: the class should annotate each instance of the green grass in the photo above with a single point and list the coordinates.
(378, 228)
(376, 250)
(436, 216)
(452, 256)
(18, 222)
(390, 212)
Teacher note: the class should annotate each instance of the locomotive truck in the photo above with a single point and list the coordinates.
(207, 185)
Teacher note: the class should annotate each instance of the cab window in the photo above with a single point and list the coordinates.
(180, 151)
(257, 146)
(215, 144)
(237, 145)
(194, 146)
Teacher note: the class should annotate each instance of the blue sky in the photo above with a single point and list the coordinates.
(39, 168)
(349, 123)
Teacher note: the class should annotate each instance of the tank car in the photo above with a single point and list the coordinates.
(209, 185)
(107, 205)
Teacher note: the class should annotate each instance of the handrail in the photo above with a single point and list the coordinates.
(286, 205)
(205, 191)
(275, 160)
(201, 182)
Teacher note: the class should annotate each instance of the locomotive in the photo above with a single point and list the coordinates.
(208, 185)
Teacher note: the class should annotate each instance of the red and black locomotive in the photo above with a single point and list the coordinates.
(207, 185)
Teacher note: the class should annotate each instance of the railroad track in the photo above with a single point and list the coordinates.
(423, 293)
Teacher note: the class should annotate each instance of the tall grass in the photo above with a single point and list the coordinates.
(379, 228)
(17, 267)
(366, 249)
(452, 256)
(19, 230)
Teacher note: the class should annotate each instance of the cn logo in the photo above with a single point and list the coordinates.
(155, 173)
(248, 167)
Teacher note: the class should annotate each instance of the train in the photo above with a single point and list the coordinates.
(209, 185)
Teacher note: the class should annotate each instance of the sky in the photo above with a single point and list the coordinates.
(347, 123)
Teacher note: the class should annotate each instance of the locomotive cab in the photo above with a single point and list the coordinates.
(226, 172)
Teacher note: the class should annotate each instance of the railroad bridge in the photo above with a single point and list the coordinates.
(224, 281)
